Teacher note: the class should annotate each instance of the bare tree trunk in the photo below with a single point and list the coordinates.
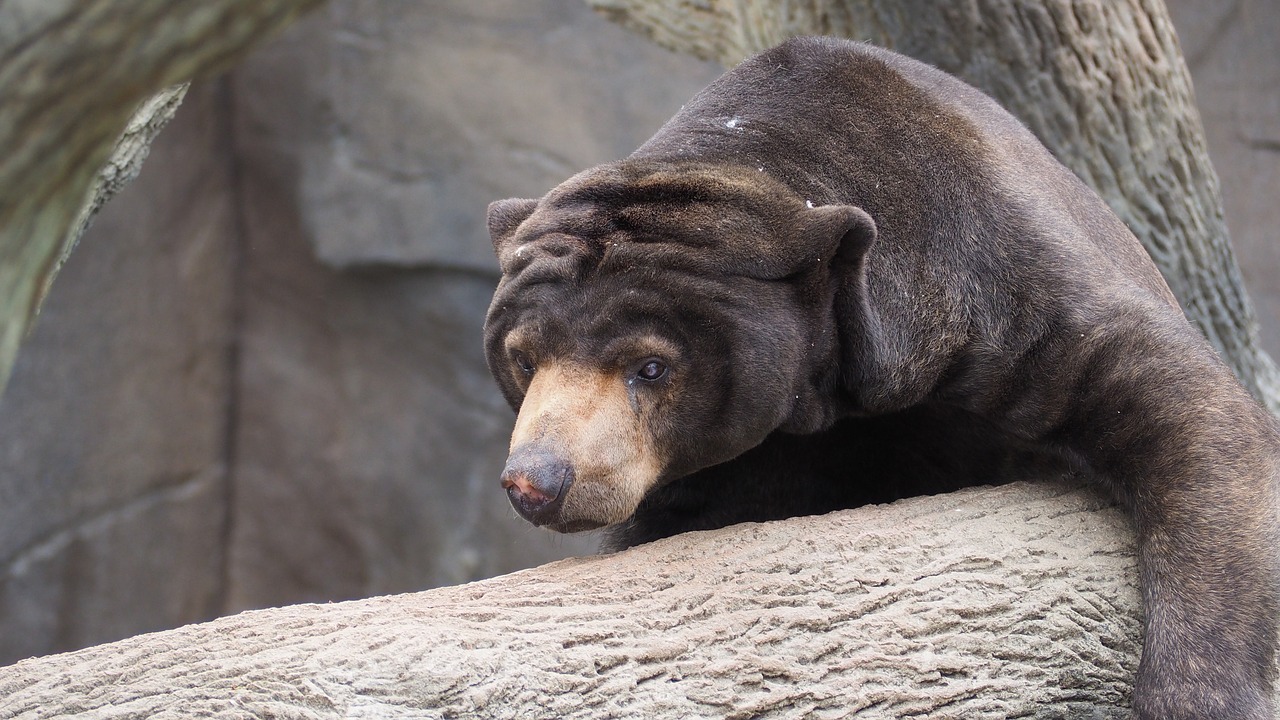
(1102, 84)
(71, 77)
(853, 614)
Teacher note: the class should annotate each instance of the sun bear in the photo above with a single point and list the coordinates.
(841, 276)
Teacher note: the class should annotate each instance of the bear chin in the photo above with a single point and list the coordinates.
(574, 526)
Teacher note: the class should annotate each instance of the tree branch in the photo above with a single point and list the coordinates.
(72, 75)
(1017, 601)
(122, 166)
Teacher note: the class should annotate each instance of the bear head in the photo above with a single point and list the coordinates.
(654, 319)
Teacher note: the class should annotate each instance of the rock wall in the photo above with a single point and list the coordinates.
(113, 430)
(275, 392)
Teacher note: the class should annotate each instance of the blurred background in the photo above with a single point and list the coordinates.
(259, 378)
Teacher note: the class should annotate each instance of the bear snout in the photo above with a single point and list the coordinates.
(536, 481)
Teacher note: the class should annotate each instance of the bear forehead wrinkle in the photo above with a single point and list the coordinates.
(644, 180)
(664, 200)
(634, 346)
(548, 258)
(627, 274)
(601, 342)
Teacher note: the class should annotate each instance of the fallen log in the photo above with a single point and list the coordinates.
(1017, 601)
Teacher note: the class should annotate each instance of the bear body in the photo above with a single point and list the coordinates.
(839, 276)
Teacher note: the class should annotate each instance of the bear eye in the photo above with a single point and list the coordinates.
(524, 363)
(652, 370)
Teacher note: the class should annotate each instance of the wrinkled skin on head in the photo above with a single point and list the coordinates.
(651, 321)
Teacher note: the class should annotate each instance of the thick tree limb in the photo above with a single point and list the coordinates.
(1017, 601)
(1102, 84)
(72, 75)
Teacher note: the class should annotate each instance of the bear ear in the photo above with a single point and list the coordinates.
(839, 232)
(815, 236)
(505, 216)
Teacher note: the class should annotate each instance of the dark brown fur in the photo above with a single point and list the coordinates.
(869, 281)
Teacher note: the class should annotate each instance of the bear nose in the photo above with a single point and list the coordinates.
(536, 482)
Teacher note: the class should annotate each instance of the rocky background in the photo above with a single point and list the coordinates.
(258, 380)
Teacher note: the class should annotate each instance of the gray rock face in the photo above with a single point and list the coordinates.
(432, 112)
(113, 430)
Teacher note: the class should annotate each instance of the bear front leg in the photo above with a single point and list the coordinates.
(1208, 585)
(1196, 461)
(1207, 562)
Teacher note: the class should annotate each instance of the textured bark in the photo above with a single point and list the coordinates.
(1102, 84)
(72, 74)
(1017, 601)
(130, 150)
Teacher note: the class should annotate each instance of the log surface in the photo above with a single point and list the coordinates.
(1016, 601)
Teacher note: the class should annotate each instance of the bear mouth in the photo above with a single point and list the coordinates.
(574, 526)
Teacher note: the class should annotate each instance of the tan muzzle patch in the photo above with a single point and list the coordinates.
(588, 419)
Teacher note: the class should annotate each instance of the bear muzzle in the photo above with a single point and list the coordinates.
(582, 457)
(537, 480)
